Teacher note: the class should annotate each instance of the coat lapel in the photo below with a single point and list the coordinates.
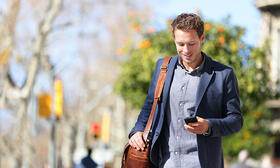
(205, 79)
(168, 79)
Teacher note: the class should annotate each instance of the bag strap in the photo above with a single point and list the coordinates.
(159, 87)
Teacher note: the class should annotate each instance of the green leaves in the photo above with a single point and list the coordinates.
(250, 66)
(137, 72)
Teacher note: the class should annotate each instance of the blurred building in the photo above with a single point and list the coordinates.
(270, 30)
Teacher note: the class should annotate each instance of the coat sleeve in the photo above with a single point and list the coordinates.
(146, 109)
(233, 121)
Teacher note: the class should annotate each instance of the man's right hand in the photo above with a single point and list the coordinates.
(137, 141)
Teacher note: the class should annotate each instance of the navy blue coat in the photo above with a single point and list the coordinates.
(217, 101)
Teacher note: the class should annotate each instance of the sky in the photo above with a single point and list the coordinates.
(243, 13)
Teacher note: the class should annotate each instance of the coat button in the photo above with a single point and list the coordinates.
(157, 134)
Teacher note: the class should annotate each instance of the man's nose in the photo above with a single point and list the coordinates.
(185, 48)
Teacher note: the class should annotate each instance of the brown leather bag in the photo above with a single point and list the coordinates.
(132, 158)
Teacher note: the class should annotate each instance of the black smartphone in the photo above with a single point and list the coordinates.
(190, 119)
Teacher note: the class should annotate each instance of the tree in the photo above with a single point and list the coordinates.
(18, 98)
(75, 41)
(223, 43)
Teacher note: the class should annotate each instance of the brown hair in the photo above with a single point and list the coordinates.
(188, 21)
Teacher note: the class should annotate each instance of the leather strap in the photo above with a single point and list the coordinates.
(159, 87)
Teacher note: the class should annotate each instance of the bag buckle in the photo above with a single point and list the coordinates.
(164, 67)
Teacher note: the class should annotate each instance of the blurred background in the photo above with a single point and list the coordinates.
(74, 75)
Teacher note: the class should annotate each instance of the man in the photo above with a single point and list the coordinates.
(242, 161)
(87, 161)
(195, 86)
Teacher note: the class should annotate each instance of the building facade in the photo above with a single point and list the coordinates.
(270, 31)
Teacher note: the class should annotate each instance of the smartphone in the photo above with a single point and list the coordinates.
(190, 119)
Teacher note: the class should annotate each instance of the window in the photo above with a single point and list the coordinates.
(276, 152)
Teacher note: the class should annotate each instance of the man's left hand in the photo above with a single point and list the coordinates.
(199, 127)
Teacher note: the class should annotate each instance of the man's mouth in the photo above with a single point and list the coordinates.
(187, 56)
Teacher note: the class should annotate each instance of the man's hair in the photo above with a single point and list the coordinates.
(188, 21)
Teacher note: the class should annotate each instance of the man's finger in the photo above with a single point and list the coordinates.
(188, 127)
(194, 124)
(140, 143)
(136, 144)
(195, 130)
(133, 142)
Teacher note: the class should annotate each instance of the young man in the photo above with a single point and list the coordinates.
(195, 86)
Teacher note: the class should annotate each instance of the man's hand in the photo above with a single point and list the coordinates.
(199, 127)
(137, 141)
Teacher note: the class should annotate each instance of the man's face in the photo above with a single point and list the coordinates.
(188, 46)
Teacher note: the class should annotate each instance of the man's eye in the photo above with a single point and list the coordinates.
(191, 44)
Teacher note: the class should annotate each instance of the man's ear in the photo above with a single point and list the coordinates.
(202, 38)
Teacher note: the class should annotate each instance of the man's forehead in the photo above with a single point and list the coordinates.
(185, 40)
(191, 33)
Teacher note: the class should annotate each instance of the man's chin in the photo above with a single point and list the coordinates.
(187, 60)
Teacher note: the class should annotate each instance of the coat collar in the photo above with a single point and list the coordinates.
(205, 79)
(169, 77)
